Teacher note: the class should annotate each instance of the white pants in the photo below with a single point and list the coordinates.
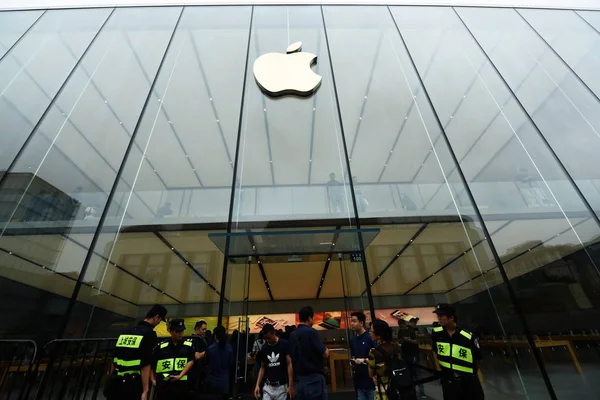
(275, 392)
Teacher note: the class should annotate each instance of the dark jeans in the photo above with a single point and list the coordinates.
(463, 388)
(217, 385)
(311, 387)
(415, 371)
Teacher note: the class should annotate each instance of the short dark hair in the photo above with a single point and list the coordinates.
(157, 309)
(360, 316)
(199, 324)
(268, 328)
(306, 313)
(383, 330)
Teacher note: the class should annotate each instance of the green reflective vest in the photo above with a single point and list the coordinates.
(128, 361)
(167, 365)
(454, 354)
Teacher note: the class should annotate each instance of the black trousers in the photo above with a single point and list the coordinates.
(463, 388)
(123, 388)
(172, 391)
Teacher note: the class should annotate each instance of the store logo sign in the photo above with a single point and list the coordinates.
(279, 74)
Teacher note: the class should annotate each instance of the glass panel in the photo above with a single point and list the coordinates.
(549, 91)
(13, 25)
(67, 170)
(291, 161)
(178, 266)
(495, 144)
(243, 244)
(32, 73)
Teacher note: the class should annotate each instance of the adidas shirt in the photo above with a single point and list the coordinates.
(274, 359)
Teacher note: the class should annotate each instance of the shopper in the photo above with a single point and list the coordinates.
(308, 356)
(197, 374)
(407, 336)
(219, 361)
(393, 379)
(361, 344)
(276, 372)
(131, 371)
(459, 356)
(335, 193)
(173, 359)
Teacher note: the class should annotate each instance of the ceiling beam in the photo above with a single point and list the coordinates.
(328, 261)
(260, 266)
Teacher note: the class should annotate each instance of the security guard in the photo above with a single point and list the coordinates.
(173, 359)
(459, 356)
(130, 373)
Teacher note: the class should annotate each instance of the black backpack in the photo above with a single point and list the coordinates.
(400, 381)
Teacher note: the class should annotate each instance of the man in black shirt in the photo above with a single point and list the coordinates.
(308, 356)
(407, 336)
(275, 367)
(200, 345)
(130, 379)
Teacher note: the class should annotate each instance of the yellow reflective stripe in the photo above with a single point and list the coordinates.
(180, 363)
(129, 341)
(444, 364)
(166, 377)
(188, 343)
(438, 329)
(462, 369)
(462, 353)
(125, 363)
(443, 349)
(165, 365)
(163, 345)
(466, 334)
(184, 378)
(123, 373)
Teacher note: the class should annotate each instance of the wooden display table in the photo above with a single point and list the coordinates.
(335, 355)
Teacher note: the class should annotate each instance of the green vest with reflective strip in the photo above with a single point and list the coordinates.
(127, 359)
(454, 356)
(167, 366)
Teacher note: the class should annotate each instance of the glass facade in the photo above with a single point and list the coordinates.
(448, 154)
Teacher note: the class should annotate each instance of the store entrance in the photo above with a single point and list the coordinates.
(289, 270)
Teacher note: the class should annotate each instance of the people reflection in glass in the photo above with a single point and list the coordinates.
(335, 194)
(164, 210)
(361, 201)
(407, 203)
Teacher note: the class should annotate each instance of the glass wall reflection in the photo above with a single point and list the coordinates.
(467, 133)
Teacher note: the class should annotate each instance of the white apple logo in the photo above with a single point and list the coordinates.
(280, 74)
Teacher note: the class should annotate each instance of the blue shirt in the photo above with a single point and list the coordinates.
(360, 347)
(308, 350)
(219, 360)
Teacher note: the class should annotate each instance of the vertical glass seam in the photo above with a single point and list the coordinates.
(115, 185)
(234, 177)
(349, 170)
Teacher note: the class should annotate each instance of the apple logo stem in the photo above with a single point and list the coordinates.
(279, 74)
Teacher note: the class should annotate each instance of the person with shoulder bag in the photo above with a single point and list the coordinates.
(392, 377)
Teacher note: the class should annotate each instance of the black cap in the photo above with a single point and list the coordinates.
(177, 325)
(444, 309)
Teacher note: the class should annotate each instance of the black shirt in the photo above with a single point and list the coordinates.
(409, 349)
(308, 350)
(274, 359)
(200, 344)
